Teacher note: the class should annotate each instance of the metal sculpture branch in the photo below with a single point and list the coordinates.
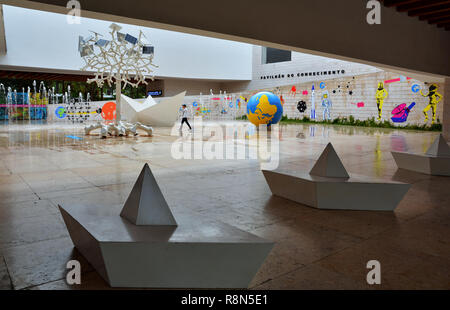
(123, 60)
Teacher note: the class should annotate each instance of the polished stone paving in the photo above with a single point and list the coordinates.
(41, 167)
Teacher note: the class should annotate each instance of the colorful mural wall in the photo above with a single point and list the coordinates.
(23, 105)
(220, 106)
(384, 96)
(38, 103)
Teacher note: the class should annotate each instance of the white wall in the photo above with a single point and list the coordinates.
(173, 87)
(38, 39)
(300, 63)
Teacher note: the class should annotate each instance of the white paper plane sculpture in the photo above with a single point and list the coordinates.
(436, 161)
(146, 247)
(329, 186)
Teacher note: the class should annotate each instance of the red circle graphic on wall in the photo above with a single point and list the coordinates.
(109, 111)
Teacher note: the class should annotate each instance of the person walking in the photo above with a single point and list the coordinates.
(184, 117)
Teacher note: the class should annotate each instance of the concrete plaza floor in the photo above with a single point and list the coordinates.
(45, 165)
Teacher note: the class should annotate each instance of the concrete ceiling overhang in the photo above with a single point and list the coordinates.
(435, 12)
(322, 27)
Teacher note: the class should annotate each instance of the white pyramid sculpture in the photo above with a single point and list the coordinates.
(439, 147)
(150, 112)
(329, 164)
(146, 204)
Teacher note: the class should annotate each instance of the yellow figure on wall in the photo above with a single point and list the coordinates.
(380, 95)
(434, 98)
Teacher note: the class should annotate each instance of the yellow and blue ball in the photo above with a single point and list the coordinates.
(264, 108)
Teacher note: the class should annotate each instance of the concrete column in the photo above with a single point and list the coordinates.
(118, 105)
(2, 33)
(446, 114)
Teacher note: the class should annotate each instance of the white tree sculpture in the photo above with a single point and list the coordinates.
(123, 58)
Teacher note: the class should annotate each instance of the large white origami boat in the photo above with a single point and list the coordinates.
(146, 247)
(150, 112)
(436, 160)
(329, 186)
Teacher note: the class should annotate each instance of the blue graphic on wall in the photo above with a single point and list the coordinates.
(60, 112)
(154, 93)
(74, 137)
(312, 114)
(415, 88)
(326, 104)
(38, 113)
(3, 108)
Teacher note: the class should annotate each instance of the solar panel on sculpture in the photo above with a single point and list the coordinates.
(102, 42)
(120, 36)
(148, 49)
(87, 50)
(80, 43)
(131, 39)
(115, 27)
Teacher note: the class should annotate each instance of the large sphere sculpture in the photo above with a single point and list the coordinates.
(264, 108)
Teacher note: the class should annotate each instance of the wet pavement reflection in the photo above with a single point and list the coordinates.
(42, 165)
